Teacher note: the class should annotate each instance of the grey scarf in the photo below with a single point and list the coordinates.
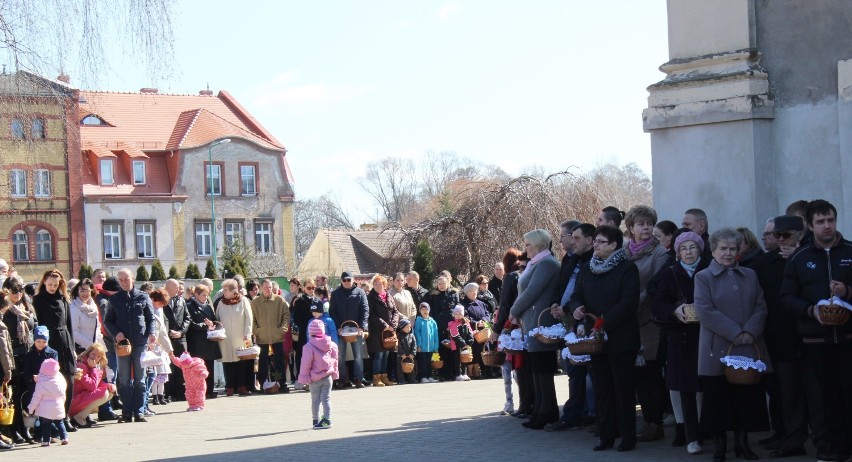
(600, 266)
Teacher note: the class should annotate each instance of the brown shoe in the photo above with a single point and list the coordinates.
(229, 392)
(652, 432)
(377, 380)
(243, 391)
(385, 380)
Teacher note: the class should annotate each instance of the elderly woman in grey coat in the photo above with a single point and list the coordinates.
(537, 287)
(732, 312)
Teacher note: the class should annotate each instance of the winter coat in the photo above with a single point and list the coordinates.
(53, 312)
(349, 305)
(418, 294)
(487, 298)
(7, 361)
(319, 360)
(178, 319)
(495, 286)
(48, 400)
(508, 294)
(196, 335)
(271, 319)
(426, 334)
(536, 288)
(475, 311)
(102, 300)
(87, 327)
(404, 303)
(382, 315)
(649, 262)
(751, 259)
(728, 301)
(781, 331)
(806, 278)
(460, 333)
(442, 304)
(130, 313)
(302, 316)
(407, 344)
(89, 388)
(19, 347)
(330, 327)
(194, 375)
(237, 321)
(613, 296)
(31, 363)
(163, 339)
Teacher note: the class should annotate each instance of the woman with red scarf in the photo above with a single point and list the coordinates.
(383, 316)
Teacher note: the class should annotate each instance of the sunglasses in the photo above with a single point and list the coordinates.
(347, 279)
(782, 235)
(310, 288)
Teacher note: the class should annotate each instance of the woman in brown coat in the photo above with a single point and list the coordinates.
(732, 312)
(383, 317)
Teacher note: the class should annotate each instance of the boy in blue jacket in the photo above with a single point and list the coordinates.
(319, 312)
(426, 334)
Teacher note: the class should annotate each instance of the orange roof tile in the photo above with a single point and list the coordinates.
(200, 126)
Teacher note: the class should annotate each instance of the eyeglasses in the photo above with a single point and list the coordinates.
(347, 279)
(310, 288)
(85, 290)
(600, 242)
(782, 235)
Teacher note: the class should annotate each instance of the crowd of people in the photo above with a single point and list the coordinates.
(674, 311)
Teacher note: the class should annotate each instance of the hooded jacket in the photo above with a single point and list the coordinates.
(48, 399)
(426, 333)
(319, 358)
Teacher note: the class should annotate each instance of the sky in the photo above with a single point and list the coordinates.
(344, 84)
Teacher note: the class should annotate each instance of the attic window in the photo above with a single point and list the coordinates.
(92, 120)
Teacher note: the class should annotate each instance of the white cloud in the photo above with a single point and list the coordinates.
(280, 90)
(448, 10)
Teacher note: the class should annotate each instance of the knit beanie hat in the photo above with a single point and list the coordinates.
(458, 309)
(317, 308)
(49, 367)
(41, 333)
(689, 236)
(316, 328)
(111, 284)
(402, 323)
(426, 305)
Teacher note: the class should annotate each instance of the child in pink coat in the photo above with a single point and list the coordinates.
(319, 370)
(48, 401)
(195, 377)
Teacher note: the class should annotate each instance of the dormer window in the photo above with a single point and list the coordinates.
(107, 172)
(92, 119)
(139, 172)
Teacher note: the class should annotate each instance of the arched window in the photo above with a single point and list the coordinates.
(92, 120)
(44, 245)
(20, 246)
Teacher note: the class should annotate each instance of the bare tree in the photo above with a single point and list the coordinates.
(313, 214)
(393, 185)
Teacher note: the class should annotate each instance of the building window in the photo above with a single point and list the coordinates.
(42, 183)
(18, 183)
(44, 245)
(37, 129)
(248, 180)
(214, 179)
(17, 129)
(138, 172)
(233, 232)
(107, 172)
(20, 246)
(112, 241)
(92, 120)
(263, 238)
(145, 240)
(203, 239)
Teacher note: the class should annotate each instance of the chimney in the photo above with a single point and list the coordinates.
(148, 90)
(65, 78)
(206, 92)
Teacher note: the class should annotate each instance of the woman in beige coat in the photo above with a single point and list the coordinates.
(234, 312)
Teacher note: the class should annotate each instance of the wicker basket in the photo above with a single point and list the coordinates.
(123, 348)
(272, 389)
(348, 335)
(545, 339)
(742, 376)
(249, 353)
(7, 406)
(493, 358)
(29, 419)
(217, 334)
(389, 340)
(466, 355)
(588, 345)
(407, 364)
(833, 315)
(446, 344)
(436, 365)
(690, 313)
(482, 335)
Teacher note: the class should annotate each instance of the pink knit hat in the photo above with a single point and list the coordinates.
(49, 368)
(689, 236)
(316, 328)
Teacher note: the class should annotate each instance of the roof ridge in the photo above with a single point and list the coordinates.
(159, 93)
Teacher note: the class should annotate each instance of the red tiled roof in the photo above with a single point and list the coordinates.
(200, 126)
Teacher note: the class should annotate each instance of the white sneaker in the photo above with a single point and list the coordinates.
(424, 380)
(465, 377)
(431, 380)
(460, 378)
(694, 448)
(509, 408)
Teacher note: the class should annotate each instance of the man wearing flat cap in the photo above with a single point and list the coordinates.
(349, 303)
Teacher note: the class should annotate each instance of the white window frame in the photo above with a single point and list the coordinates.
(20, 246)
(146, 242)
(210, 186)
(203, 238)
(234, 229)
(44, 245)
(107, 165)
(263, 242)
(248, 183)
(138, 164)
(114, 234)
(41, 183)
(18, 183)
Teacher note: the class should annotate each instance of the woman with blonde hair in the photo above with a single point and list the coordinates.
(234, 311)
(383, 316)
(202, 319)
(90, 390)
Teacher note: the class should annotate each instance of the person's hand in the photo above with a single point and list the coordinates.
(494, 336)
(579, 313)
(7, 378)
(513, 320)
(744, 338)
(786, 251)
(816, 314)
(556, 311)
(679, 314)
(152, 338)
(119, 337)
(174, 334)
(209, 323)
(35, 379)
(111, 387)
(419, 350)
(838, 289)
(339, 332)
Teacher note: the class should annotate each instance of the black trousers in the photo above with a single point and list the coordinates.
(615, 394)
(801, 400)
(651, 391)
(424, 365)
(776, 409)
(278, 361)
(543, 367)
(235, 373)
(689, 403)
(526, 392)
(732, 407)
(833, 366)
(211, 376)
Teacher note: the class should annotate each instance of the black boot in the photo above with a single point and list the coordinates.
(680, 436)
(720, 446)
(741, 446)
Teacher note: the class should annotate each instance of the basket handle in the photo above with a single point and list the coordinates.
(753, 345)
(353, 322)
(538, 321)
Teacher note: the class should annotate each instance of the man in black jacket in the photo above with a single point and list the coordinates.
(577, 243)
(816, 272)
(412, 285)
(349, 303)
(177, 318)
(108, 289)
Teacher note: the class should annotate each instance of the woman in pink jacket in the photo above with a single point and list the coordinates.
(319, 370)
(90, 390)
(48, 401)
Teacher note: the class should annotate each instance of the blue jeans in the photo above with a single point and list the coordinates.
(357, 348)
(132, 390)
(47, 427)
(573, 409)
(380, 363)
